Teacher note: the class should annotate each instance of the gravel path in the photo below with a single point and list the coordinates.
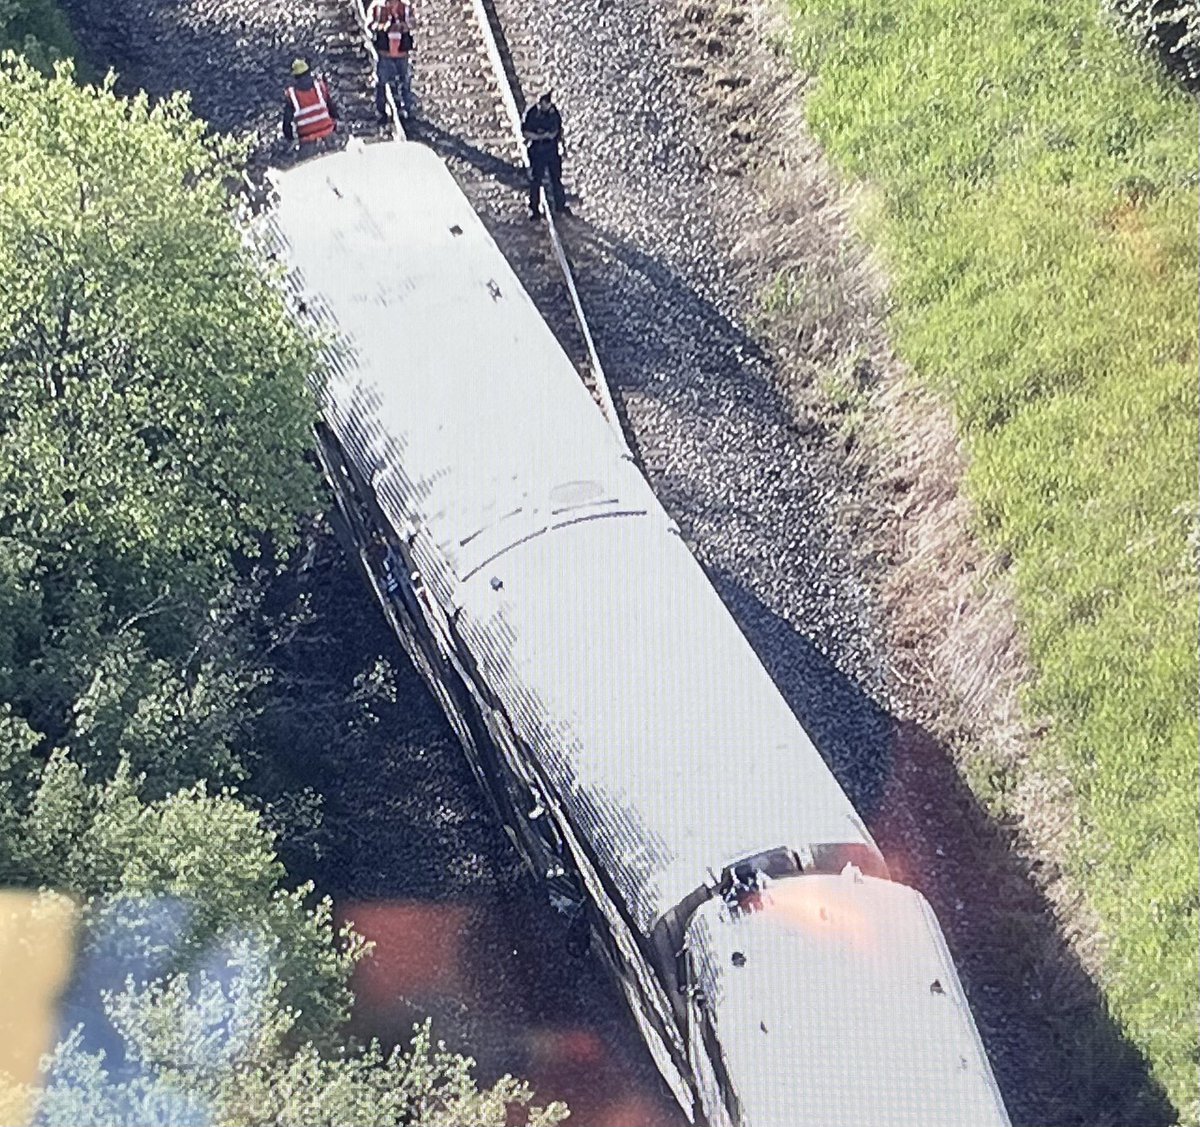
(231, 56)
(671, 116)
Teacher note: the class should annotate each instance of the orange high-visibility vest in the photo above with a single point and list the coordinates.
(396, 47)
(310, 111)
(396, 43)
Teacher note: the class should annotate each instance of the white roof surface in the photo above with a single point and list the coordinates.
(845, 1010)
(658, 720)
(445, 352)
(612, 653)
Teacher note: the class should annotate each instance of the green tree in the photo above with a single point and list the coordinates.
(205, 862)
(154, 427)
(228, 1014)
(37, 29)
(18, 772)
(153, 413)
(213, 1054)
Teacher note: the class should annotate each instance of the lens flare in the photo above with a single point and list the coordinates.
(828, 908)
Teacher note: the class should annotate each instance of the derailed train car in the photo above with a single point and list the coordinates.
(636, 750)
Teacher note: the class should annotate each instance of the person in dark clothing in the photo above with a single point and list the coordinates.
(309, 114)
(544, 134)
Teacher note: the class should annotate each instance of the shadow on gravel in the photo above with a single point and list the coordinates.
(234, 69)
(1062, 1059)
(659, 336)
(348, 716)
(450, 147)
(1059, 1058)
(593, 248)
(232, 57)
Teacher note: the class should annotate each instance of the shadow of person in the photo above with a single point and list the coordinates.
(453, 148)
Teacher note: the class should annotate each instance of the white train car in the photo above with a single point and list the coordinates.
(639, 754)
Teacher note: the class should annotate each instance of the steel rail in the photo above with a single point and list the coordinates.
(513, 112)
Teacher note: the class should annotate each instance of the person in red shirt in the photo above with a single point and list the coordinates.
(309, 114)
(390, 22)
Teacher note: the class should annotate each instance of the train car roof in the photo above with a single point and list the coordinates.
(615, 658)
(838, 1005)
(444, 379)
(666, 738)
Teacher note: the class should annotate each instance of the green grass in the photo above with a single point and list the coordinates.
(1033, 181)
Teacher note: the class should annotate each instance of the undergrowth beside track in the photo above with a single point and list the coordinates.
(1030, 181)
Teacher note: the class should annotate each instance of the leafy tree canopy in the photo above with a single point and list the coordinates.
(165, 883)
(153, 412)
(37, 29)
(154, 425)
(212, 1054)
(152, 404)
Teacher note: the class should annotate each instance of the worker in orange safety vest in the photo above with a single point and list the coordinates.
(391, 23)
(308, 111)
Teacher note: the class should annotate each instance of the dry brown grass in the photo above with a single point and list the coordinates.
(961, 649)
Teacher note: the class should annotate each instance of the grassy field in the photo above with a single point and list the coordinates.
(1033, 195)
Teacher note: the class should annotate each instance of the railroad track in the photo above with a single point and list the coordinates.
(463, 118)
(470, 91)
(470, 86)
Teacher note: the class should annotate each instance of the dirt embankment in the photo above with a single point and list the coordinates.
(969, 815)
